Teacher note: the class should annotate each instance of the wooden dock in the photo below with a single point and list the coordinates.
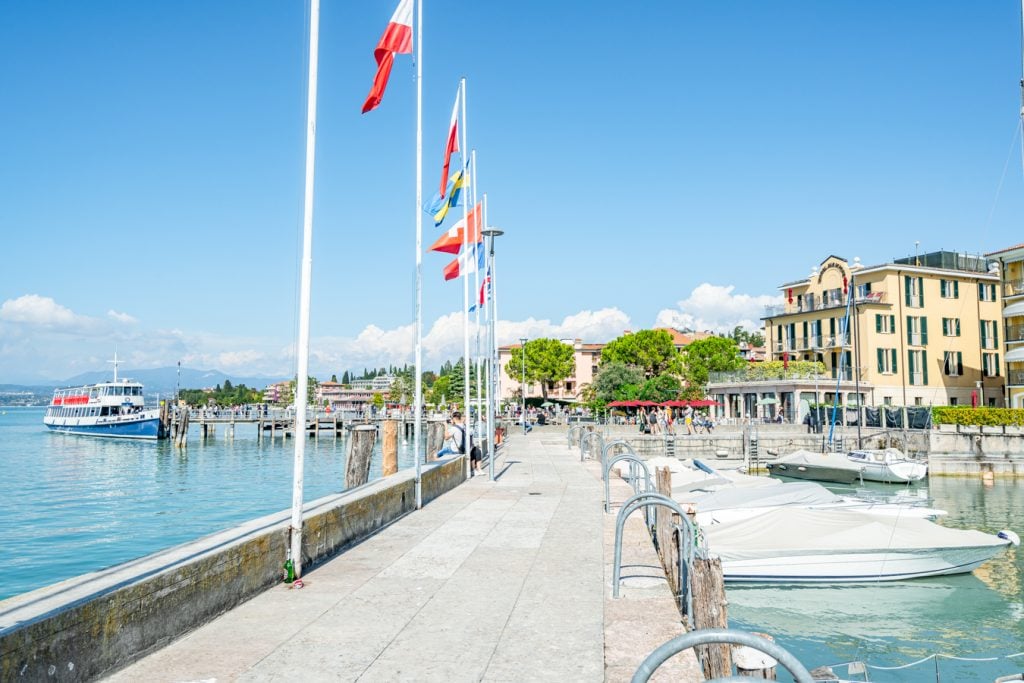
(280, 422)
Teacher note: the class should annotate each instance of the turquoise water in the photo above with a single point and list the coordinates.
(74, 504)
(977, 615)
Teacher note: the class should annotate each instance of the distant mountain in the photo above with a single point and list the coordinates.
(164, 380)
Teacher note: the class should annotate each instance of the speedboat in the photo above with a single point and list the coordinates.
(112, 409)
(837, 546)
(888, 465)
(732, 504)
(833, 467)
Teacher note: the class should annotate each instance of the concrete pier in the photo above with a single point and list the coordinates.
(497, 581)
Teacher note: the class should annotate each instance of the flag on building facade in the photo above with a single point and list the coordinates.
(467, 263)
(397, 38)
(452, 145)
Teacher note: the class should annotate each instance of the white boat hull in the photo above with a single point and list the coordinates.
(869, 566)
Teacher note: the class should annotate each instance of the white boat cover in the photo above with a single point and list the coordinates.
(795, 531)
(834, 460)
(798, 493)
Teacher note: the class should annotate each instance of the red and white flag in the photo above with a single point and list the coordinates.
(397, 38)
(453, 143)
(467, 263)
(451, 241)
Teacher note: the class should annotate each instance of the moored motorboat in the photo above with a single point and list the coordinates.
(833, 467)
(835, 546)
(888, 465)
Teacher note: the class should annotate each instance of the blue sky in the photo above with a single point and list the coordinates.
(654, 162)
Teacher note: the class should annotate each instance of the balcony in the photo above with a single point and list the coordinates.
(1014, 333)
(1015, 378)
(821, 305)
(1013, 288)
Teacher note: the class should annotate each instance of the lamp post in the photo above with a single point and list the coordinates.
(490, 232)
(522, 383)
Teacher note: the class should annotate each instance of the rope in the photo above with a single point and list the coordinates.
(934, 655)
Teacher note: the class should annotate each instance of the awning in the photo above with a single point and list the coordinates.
(1014, 309)
(1015, 356)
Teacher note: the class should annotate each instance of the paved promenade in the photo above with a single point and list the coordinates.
(500, 581)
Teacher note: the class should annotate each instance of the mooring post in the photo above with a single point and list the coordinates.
(435, 439)
(709, 611)
(389, 448)
(664, 534)
(754, 663)
(360, 450)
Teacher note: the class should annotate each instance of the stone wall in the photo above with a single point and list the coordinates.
(96, 623)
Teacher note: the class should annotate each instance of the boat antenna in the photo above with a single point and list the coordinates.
(116, 363)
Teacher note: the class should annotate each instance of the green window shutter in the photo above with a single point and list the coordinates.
(920, 291)
(910, 335)
(910, 365)
(906, 290)
(881, 361)
(805, 330)
(924, 330)
(981, 291)
(984, 331)
(893, 368)
(942, 288)
(945, 327)
(956, 289)
(832, 326)
(997, 364)
(878, 322)
(924, 366)
(995, 334)
(958, 327)
(892, 324)
(959, 363)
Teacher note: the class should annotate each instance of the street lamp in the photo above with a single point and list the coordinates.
(522, 384)
(491, 232)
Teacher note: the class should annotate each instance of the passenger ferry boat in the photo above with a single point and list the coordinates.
(111, 409)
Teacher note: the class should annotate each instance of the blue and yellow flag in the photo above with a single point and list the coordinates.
(439, 206)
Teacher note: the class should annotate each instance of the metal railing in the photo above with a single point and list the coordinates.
(825, 304)
(1014, 333)
(586, 450)
(1015, 377)
(710, 636)
(1013, 287)
(633, 478)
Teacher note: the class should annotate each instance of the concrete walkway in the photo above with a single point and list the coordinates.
(496, 581)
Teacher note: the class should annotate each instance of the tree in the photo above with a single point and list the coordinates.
(548, 361)
(334, 378)
(312, 384)
(713, 354)
(741, 335)
(617, 381)
(660, 388)
(345, 379)
(401, 389)
(377, 400)
(440, 391)
(650, 350)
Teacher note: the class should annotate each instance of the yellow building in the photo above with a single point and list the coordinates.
(924, 330)
(1012, 266)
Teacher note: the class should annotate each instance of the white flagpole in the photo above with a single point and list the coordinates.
(489, 363)
(465, 276)
(302, 349)
(418, 362)
(479, 304)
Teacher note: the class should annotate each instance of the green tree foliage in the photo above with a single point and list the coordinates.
(661, 388)
(440, 392)
(650, 350)
(345, 378)
(402, 389)
(739, 335)
(617, 381)
(548, 361)
(228, 395)
(704, 356)
(378, 400)
(312, 384)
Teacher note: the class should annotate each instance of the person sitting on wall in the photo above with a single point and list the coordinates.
(454, 437)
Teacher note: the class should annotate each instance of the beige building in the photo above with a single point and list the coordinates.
(1011, 262)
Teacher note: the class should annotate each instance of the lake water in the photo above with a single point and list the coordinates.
(74, 504)
(70, 504)
(978, 615)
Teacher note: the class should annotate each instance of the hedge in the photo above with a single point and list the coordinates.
(964, 415)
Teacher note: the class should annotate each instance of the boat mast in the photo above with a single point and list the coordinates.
(116, 362)
(302, 349)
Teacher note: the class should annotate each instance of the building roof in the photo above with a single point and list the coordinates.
(1003, 251)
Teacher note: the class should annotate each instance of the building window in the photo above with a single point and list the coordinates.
(913, 291)
(918, 401)
(917, 330)
(949, 289)
(885, 324)
(953, 363)
(990, 364)
(989, 334)
(886, 361)
(917, 367)
(863, 291)
(951, 327)
(791, 336)
(986, 292)
(953, 400)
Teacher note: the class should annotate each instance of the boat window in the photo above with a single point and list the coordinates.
(879, 457)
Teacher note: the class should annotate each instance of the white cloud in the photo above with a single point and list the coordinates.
(42, 311)
(122, 317)
(716, 308)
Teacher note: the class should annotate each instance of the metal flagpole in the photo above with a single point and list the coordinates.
(417, 430)
(465, 276)
(479, 304)
(302, 350)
